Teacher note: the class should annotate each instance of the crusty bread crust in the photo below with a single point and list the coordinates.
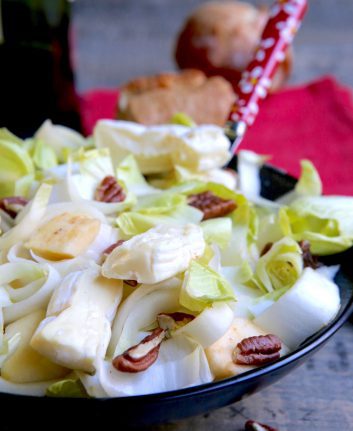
(155, 99)
(191, 77)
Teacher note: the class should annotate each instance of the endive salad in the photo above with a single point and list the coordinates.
(133, 263)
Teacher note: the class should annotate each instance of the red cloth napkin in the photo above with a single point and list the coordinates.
(314, 121)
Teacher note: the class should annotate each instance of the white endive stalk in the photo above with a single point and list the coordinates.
(304, 309)
(181, 363)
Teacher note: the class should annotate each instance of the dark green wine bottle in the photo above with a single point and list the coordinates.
(36, 76)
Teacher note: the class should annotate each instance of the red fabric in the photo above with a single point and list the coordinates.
(97, 104)
(313, 121)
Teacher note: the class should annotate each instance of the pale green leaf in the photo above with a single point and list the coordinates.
(202, 287)
(280, 267)
(67, 388)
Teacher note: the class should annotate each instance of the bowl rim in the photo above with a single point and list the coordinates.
(324, 335)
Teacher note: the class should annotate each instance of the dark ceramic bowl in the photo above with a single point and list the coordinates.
(156, 408)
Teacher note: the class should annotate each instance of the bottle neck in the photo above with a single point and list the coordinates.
(33, 22)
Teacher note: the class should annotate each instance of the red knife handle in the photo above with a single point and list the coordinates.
(284, 22)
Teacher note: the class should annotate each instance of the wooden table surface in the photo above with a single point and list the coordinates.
(318, 396)
(119, 39)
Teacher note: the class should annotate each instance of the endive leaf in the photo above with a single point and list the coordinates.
(71, 388)
(309, 183)
(217, 231)
(202, 287)
(158, 209)
(15, 163)
(325, 221)
(280, 267)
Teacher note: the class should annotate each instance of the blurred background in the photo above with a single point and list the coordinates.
(116, 40)
(113, 41)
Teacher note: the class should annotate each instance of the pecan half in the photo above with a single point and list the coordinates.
(112, 247)
(256, 426)
(266, 248)
(211, 205)
(257, 350)
(132, 283)
(142, 356)
(13, 205)
(309, 259)
(171, 321)
(109, 190)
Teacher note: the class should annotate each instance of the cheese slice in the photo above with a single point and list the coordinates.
(156, 255)
(64, 237)
(77, 330)
(158, 149)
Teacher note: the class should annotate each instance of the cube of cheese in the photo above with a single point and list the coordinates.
(64, 237)
(220, 354)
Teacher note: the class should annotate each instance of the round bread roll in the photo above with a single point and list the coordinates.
(220, 38)
(155, 99)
